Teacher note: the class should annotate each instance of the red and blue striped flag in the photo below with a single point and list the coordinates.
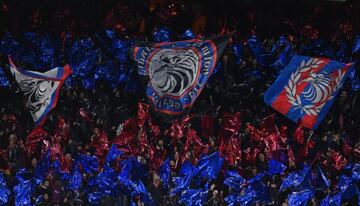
(306, 89)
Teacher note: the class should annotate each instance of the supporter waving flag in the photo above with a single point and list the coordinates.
(41, 90)
(306, 89)
(178, 71)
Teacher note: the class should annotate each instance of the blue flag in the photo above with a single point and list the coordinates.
(4, 82)
(178, 71)
(42, 167)
(165, 172)
(209, 166)
(356, 47)
(194, 197)
(334, 201)
(300, 198)
(89, 163)
(113, 154)
(299, 180)
(356, 172)
(187, 169)
(23, 192)
(4, 191)
(321, 181)
(234, 180)
(348, 187)
(256, 184)
(75, 180)
(276, 167)
(180, 184)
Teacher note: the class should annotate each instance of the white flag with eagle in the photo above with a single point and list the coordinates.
(41, 89)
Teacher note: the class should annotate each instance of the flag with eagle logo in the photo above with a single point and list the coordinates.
(41, 90)
(178, 71)
(306, 89)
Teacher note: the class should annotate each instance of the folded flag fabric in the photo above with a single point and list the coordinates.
(178, 71)
(41, 89)
(306, 89)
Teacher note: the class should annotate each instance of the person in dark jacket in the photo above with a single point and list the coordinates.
(156, 190)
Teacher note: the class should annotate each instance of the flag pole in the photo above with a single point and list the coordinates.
(311, 134)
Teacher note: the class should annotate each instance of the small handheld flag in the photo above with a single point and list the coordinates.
(306, 89)
(178, 71)
(41, 90)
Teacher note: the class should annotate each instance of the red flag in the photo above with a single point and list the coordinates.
(299, 135)
(33, 138)
(338, 160)
(176, 131)
(231, 122)
(207, 125)
(143, 113)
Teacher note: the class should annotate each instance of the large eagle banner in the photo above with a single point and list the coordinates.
(306, 89)
(178, 71)
(41, 90)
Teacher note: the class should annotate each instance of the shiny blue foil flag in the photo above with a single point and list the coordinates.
(23, 192)
(234, 180)
(300, 198)
(161, 35)
(258, 51)
(113, 154)
(238, 51)
(256, 184)
(193, 197)
(348, 187)
(120, 50)
(145, 196)
(89, 163)
(75, 180)
(276, 167)
(4, 82)
(23, 175)
(320, 180)
(42, 167)
(209, 166)
(187, 169)
(180, 184)
(46, 52)
(106, 182)
(334, 201)
(83, 57)
(356, 172)
(4, 191)
(94, 198)
(248, 198)
(8, 46)
(165, 172)
(188, 34)
(356, 47)
(299, 180)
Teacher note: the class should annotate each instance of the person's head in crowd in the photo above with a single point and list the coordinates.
(156, 179)
(34, 162)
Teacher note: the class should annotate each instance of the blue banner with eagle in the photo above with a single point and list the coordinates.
(178, 71)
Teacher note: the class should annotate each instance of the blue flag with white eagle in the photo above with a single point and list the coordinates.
(178, 71)
(41, 89)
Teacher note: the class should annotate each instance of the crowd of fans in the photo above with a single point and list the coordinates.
(88, 121)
